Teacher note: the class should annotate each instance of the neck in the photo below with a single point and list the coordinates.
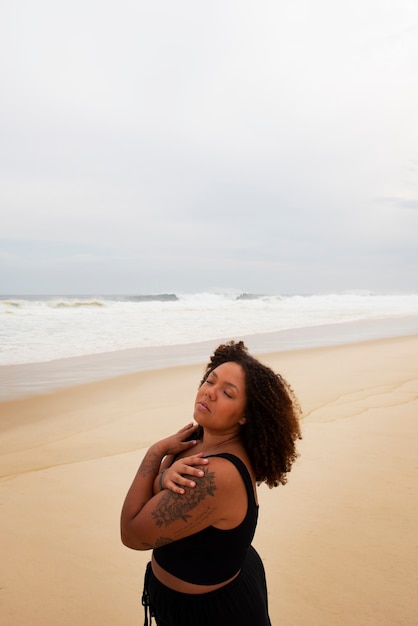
(213, 442)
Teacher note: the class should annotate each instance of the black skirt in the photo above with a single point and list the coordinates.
(242, 602)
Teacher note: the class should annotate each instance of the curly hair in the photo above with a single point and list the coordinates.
(272, 411)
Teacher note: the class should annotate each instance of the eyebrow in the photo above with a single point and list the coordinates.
(213, 373)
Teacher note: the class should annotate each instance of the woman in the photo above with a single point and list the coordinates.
(199, 512)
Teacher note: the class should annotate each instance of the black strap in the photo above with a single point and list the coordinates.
(145, 597)
(242, 468)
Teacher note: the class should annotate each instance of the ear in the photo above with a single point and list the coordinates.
(242, 421)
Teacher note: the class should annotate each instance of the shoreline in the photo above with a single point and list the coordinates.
(91, 404)
(27, 379)
(341, 530)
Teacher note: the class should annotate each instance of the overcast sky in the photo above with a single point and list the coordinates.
(269, 146)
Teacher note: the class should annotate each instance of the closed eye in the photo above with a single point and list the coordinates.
(226, 393)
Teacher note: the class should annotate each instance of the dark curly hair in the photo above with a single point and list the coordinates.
(272, 425)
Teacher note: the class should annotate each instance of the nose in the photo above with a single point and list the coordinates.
(210, 392)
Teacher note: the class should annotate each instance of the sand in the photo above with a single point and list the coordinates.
(338, 541)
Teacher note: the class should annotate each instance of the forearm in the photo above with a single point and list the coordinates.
(141, 490)
(157, 485)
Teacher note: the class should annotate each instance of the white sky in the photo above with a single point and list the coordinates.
(269, 146)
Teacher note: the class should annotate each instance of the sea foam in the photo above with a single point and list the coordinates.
(36, 329)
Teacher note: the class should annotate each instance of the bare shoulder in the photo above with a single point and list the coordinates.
(228, 478)
(226, 467)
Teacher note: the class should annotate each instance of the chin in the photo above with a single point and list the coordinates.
(197, 418)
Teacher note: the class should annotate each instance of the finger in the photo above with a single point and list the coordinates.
(189, 426)
(175, 488)
(188, 444)
(186, 475)
(192, 470)
(183, 479)
(186, 482)
(195, 459)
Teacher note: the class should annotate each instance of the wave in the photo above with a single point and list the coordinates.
(160, 297)
(250, 296)
(59, 304)
(12, 303)
(361, 298)
(43, 328)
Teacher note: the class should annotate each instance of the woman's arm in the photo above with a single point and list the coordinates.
(141, 490)
(147, 521)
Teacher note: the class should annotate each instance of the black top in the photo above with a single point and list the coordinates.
(212, 555)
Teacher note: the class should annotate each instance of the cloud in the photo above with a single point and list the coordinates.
(206, 143)
(401, 203)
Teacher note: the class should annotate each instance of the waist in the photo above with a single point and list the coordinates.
(182, 586)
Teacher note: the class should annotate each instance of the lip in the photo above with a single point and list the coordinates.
(203, 406)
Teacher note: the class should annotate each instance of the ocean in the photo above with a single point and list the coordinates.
(88, 337)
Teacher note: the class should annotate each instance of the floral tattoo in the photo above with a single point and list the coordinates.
(173, 506)
(150, 464)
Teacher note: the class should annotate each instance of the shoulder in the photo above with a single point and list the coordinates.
(234, 464)
(224, 473)
(233, 489)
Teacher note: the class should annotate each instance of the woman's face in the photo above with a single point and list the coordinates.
(221, 400)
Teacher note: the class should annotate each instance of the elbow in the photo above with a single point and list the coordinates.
(125, 539)
(131, 540)
(131, 543)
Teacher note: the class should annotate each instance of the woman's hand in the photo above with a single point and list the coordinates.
(177, 443)
(179, 474)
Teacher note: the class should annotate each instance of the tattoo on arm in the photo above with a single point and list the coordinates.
(161, 541)
(173, 506)
(150, 464)
(204, 515)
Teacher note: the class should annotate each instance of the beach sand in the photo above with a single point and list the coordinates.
(338, 541)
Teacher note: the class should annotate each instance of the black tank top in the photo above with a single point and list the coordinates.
(212, 555)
